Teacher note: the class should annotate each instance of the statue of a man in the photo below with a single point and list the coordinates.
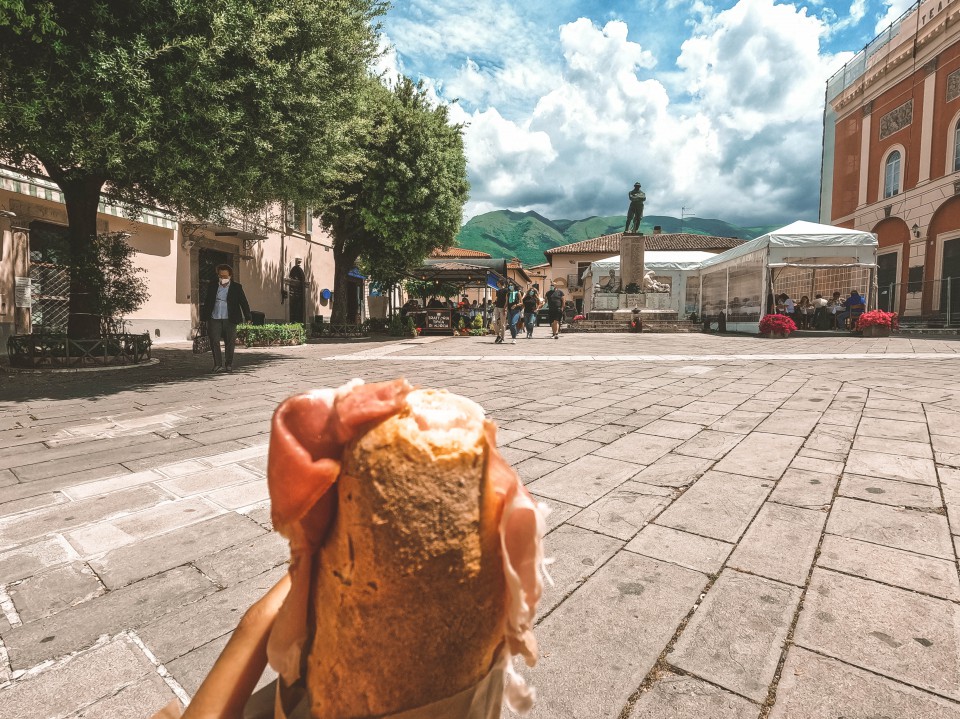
(635, 213)
(609, 283)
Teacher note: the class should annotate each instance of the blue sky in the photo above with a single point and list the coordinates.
(713, 106)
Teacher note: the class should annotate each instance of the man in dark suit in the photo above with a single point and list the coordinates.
(224, 307)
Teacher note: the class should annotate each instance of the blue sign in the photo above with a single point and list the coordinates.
(326, 294)
(492, 280)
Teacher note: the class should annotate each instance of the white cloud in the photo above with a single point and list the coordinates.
(895, 8)
(744, 143)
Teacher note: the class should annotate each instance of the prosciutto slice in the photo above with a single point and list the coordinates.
(309, 433)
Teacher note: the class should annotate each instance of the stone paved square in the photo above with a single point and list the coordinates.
(741, 528)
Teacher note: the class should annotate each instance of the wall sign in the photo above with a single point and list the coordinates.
(23, 294)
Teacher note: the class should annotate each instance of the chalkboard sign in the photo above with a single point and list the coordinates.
(438, 320)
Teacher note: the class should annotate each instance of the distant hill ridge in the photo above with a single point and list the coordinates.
(505, 233)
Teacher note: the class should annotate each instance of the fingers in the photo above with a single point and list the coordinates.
(236, 672)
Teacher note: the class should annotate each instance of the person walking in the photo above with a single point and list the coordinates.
(554, 299)
(531, 303)
(500, 312)
(514, 311)
(224, 307)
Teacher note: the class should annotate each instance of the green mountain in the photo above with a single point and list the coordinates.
(504, 233)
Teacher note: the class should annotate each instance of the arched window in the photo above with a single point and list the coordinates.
(891, 174)
(956, 146)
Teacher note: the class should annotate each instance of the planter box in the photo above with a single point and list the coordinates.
(777, 335)
(876, 331)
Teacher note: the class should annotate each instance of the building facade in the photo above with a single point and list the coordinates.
(892, 158)
(281, 256)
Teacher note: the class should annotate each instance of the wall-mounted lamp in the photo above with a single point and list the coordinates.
(8, 214)
(188, 244)
(916, 229)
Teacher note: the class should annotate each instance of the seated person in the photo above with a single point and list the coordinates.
(435, 303)
(610, 283)
(853, 308)
(819, 311)
(834, 306)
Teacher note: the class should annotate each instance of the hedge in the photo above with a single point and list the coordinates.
(271, 335)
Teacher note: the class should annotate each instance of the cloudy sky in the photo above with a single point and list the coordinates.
(713, 106)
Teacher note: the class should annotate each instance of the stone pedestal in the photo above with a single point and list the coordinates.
(631, 259)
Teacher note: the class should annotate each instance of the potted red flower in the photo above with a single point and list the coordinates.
(777, 326)
(878, 323)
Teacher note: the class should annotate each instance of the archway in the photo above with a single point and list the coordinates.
(942, 261)
(893, 257)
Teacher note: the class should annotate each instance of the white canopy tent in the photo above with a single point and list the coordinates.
(672, 267)
(803, 258)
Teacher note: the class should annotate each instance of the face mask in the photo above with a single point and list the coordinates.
(225, 282)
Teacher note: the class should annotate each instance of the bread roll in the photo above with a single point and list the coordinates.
(409, 588)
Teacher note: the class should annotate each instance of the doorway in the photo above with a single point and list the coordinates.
(207, 271)
(950, 281)
(887, 281)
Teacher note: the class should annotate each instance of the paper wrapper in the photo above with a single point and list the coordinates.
(481, 701)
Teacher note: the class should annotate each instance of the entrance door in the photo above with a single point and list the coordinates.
(950, 283)
(887, 282)
(209, 259)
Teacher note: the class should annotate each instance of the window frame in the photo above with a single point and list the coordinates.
(887, 163)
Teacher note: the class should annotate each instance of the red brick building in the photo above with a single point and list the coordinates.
(892, 157)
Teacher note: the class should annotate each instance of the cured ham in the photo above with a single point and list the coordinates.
(413, 545)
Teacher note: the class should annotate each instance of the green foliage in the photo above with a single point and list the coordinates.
(425, 289)
(526, 235)
(267, 335)
(118, 285)
(477, 322)
(399, 326)
(401, 192)
(191, 104)
(478, 332)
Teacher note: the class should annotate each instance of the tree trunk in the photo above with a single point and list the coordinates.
(343, 262)
(82, 198)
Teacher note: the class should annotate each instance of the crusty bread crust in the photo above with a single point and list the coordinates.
(409, 588)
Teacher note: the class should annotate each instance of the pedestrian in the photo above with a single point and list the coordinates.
(531, 303)
(514, 310)
(500, 312)
(225, 306)
(554, 299)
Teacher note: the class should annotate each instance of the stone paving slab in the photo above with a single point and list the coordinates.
(45, 594)
(818, 687)
(761, 455)
(592, 661)
(127, 608)
(680, 697)
(890, 631)
(780, 543)
(920, 532)
(730, 450)
(718, 505)
(81, 682)
(891, 566)
(682, 548)
(624, 511)
(736, 636)
(888, 491)
(166, 551)
(803, 488)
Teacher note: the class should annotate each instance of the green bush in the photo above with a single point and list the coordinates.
(478, 332)
(398, 326)
(267, 335)
(477, 322)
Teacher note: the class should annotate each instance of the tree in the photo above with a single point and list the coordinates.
(117, 284)
(400, 193)
(196, 105)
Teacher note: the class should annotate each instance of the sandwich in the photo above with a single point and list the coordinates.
(416, 557)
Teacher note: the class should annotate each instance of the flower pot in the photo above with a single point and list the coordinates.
(876, 331)
(778, 335)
